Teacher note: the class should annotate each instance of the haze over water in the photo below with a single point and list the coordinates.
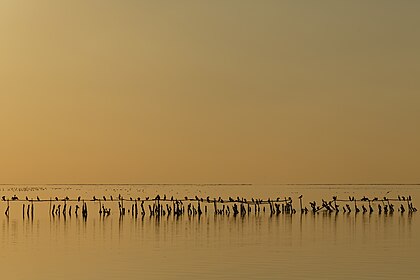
(254, 246)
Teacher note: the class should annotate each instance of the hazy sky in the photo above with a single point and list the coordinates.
(209, 91)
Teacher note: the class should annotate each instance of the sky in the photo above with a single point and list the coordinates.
(231, 91)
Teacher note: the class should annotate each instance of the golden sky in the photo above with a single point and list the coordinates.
(209, 91)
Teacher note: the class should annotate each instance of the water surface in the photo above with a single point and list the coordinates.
(255, 246)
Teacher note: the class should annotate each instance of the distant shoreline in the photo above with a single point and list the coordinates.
(214, 184)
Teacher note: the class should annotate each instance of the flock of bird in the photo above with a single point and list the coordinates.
(161, 206)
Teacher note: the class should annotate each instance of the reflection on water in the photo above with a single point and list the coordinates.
(255, 246)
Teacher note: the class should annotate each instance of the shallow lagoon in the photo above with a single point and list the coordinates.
(255, 246)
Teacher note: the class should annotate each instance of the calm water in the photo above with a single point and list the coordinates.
(320, 246)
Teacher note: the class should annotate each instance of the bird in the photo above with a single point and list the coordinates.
(37, 198)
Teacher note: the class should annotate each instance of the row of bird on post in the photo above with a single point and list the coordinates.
(161, 206)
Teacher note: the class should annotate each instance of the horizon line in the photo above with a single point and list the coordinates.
(215, 184)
